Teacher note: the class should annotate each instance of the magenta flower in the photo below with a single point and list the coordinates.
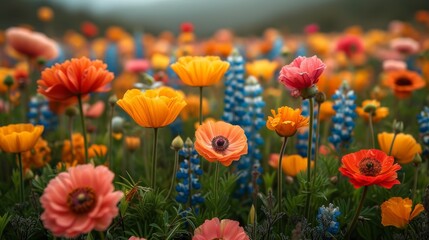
(301, 75)
(215, 229)
(80, 200)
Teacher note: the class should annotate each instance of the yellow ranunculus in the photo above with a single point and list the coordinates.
(153, 108)
(17, 138)
(379, 114)
(397, 212)
(404, 148)
(286, 121)
(200, 71)
(293, 164)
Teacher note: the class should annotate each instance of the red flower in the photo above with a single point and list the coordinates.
(350, 45)
(89, 29)
(370, 167)
(77, 77)
(303, 73)
(187, 27)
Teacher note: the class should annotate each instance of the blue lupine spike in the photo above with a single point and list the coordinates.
(39, 113)
(423, 121)
(343, 120)
(328, 224)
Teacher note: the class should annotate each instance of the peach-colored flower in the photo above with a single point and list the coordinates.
(77, 77)
(137, 65)
(136, 238)
(216, 229)
(93, 111)
(80, 200)
(303, 73)
(220, 141)
(394, 65)
(31, 44)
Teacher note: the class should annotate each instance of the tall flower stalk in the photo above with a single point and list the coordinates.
(154, 157)
(310, 142)
(280, 176)
(82, 120)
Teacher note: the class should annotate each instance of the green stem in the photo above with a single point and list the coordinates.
(21, 179)
(216, 186)
(201, 106)
(416, 173)
(82, 119)
(173, 176)
(155, 140)
(316, 150)
(391, 144)
(371, 130)
(112, 111)
(355, 218)
(280, 175)
(310, 141)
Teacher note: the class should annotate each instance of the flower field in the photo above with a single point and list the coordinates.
(119, 134)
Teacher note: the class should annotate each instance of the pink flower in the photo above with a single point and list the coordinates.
(350, 45)
(311, 28)
(215, 229)
(405, 45)
(80, 200)
(137, 65)
(93, 111)
(394, 65)
(136, 238)
(31, 44)
(301, 74)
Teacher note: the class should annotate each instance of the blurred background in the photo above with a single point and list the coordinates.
(244, 17)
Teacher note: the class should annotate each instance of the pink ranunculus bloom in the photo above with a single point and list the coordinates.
(394, 65)
(137, 65)
(136, 238)
(215, 229)
(80, 200)
(303, 73)
(95, 110)
(350, 45)
(31, 44)
(405, 45)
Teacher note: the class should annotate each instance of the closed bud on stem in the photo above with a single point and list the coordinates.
(333, 179)
(8, 81)
(417, 159)
(252, 215)
(398, 126)
(112, 100)
(189, 143)
(320, 97)
(177, 143)
(370, 108)
(289, 179)
(117, 124)
(71, 112)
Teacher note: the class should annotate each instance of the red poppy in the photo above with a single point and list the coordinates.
(370, 167)
(77, 77)
(351, 45)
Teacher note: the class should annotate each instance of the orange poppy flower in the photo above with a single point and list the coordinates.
(294, 164)
(262, 69)
(370, 167)
(153, 108)
(403, 82)
(77, 77)
(132, 143)
(97, 150)
(404, 148)
(17, 138)
(397, 212)
(38, 156)
(200, 71)
(45, 14)
(220, 141)
(192, 108)
(326, 110)
(378, 114)
(77, 152)
(287, 121)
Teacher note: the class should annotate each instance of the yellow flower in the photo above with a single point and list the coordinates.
(286, 121)
(404, 148)
(379, 113)
(319, 43)
(261, 69)
(293, 164)
(153, 108)
(17, 138)
(192, 108)
(397, 212)
(200, 71)
(160, 61)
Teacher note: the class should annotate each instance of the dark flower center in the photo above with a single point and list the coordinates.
(81, 200)
(220, 143)
(403, 82)
(370, 167)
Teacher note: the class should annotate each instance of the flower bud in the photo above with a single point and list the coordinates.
(71, 112)
(177, 143)
(370, 108)
(252, 215)
(132, 143)
(189, 143)
(398, 126)
(333, 179)
(8, 81)
(320, 97)
(117, 124)
(289, 179)
(112, 100)
(417, 159)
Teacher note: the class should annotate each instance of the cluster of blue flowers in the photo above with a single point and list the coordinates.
(40, 114)
(327, 220)
(423, 120)
(302, 136)
(343, 121)
(188, 186)
(234, 108)
(253, 121)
